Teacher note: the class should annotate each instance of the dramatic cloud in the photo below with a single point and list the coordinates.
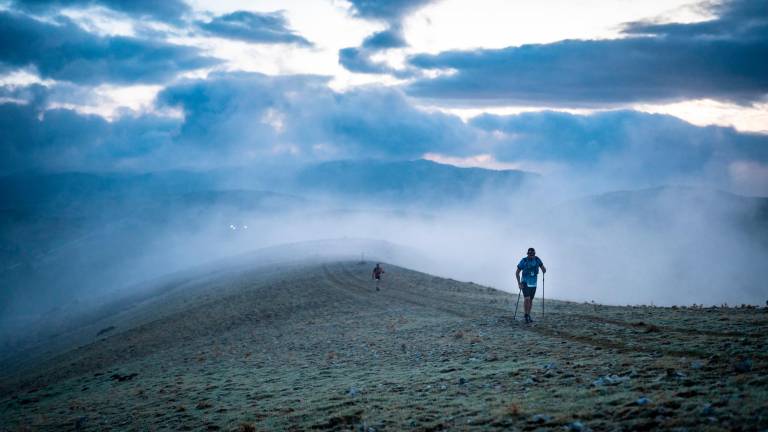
(301, 118)
(64, 51)
(253, 27)
(233, 119)
(242, 119)
(725, 59)
(627, 147)
(165, 10)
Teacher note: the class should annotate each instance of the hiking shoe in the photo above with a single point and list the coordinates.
(527, 319)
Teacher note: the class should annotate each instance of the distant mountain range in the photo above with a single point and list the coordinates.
(419, 181)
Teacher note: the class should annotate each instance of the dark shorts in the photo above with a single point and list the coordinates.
(528, 291)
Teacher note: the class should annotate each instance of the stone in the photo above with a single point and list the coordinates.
(609, 380)
(642, 400)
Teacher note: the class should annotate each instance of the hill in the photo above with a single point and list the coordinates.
(312, 345)
(409, 183)
(54, 228)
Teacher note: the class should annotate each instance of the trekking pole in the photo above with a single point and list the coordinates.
(514, 318)
(543, 277)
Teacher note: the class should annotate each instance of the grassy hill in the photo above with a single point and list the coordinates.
(309, 345)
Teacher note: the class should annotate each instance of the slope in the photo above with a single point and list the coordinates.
(313, 346)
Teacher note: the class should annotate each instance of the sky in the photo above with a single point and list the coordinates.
(108, 85)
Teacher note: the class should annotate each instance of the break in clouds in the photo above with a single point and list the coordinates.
(623, 206)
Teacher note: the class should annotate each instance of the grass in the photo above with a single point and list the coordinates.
(315, 347)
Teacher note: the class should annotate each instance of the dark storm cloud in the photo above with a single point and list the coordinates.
(165, 10)
(63, 51)
(725, 59)
(253, 27)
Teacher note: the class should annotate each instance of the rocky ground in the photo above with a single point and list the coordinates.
(315, 347)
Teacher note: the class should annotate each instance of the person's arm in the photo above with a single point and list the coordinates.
(544, 269)
(517, 276)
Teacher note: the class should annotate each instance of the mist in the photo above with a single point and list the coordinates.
(663, 245)
(623, 207)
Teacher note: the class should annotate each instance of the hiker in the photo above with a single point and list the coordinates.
(376, 274)
(529, 266)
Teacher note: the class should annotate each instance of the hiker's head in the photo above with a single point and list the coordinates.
(531, 251)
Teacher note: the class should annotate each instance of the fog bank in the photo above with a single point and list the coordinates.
(662, 246)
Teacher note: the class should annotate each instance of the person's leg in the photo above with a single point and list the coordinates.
(529, 293)
(527, 308)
